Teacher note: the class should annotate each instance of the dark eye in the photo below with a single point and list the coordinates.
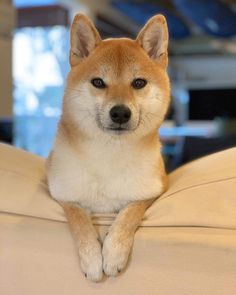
(139, 83)
(98, 83)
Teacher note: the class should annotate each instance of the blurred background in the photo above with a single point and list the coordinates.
(34, 46)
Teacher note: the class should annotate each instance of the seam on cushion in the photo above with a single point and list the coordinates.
(195, 185)
(141, 225)
(190, 226)
(43, 184)
(109, 224)
(40, 182)
(159, 199)
(32, 216)
(103, 223)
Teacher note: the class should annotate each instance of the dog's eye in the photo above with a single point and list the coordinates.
(139, 83)
(98, 83)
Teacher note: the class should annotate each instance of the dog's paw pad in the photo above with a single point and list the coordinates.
(115, 257)
(92, 270)
(113, 266)
(91, 263)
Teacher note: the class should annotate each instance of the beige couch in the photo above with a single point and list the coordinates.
(186, 243)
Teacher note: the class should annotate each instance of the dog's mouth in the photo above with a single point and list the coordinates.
(120, 128)
(116, 128)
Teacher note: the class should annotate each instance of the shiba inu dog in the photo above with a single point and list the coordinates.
(107, 152)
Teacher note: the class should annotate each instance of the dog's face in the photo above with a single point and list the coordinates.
(117, 86)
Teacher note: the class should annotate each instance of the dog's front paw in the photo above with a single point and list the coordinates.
(115, 254)
(91, 260)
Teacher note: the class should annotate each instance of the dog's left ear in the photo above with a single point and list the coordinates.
(83, 38)
(153, 38)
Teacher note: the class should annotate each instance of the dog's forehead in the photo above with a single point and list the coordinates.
(118, 60)
(120, 56)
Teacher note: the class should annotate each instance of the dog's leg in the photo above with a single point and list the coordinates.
(86, 240)
(119, 240)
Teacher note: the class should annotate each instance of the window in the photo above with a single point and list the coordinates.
(40, 65)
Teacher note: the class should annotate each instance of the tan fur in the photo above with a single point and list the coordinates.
(119, 240)
(86, 239)
(146, 40)
(92, 169)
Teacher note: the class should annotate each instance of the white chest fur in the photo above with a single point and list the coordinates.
(104, 177)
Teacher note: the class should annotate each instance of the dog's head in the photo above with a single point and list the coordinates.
(117, 86)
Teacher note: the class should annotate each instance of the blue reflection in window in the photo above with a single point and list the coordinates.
(25, 3)
(40, 67)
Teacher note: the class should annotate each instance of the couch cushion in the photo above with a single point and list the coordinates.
(201, 193)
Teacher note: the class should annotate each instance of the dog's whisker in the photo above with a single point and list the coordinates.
(73, 89)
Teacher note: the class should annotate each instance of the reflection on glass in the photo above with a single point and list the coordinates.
(40, 58)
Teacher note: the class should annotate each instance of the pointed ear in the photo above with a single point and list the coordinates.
(153, 38)
(83, 38)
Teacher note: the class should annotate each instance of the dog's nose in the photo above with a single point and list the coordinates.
(120, 114)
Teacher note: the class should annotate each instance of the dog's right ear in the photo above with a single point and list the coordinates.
(153, 38)
(83, 38)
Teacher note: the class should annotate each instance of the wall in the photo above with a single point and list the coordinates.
(6, 28)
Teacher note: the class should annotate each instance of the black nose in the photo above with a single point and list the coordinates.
(120, 114)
